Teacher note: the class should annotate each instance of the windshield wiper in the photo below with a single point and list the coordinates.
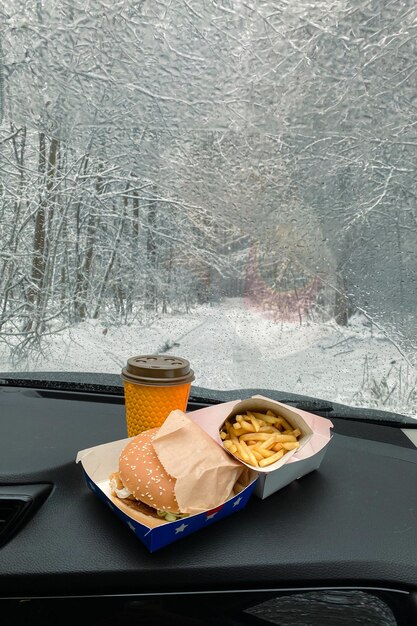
(318, 406)
(111, 384)
(303, 402)
(81, 382)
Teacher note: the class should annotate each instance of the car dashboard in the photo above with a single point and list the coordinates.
(340, 542)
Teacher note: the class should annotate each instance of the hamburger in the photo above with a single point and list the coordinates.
(142, 488)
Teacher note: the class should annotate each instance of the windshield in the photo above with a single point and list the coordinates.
(232, 182)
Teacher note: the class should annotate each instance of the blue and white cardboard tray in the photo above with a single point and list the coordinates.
(101, 461)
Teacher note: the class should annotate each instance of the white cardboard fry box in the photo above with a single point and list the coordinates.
(305, 460)
(101, 461)
(315, 436)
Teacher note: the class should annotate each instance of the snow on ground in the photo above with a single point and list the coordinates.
(233, 347)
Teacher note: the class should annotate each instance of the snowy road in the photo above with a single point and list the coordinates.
(233, 347)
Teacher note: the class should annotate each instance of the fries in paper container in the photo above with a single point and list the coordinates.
(263, 434)
(280, 442)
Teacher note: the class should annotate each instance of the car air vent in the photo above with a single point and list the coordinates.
(18, 503)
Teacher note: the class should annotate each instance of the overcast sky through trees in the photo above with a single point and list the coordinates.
(155, 155)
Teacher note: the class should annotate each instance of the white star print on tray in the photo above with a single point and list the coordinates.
(211, 516)
(237, 502)
(131, 526)
(180, 529)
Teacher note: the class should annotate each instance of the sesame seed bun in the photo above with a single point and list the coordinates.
(142, 474)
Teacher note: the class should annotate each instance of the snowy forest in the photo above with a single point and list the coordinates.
(157, 155)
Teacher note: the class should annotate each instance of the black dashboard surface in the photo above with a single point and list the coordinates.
(353, 522)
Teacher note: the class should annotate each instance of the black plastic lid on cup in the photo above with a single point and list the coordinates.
(158, 370)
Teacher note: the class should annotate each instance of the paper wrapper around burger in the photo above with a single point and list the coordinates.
(205, 475)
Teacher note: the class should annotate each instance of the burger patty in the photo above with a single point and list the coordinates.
(130, 501)
(136, 505)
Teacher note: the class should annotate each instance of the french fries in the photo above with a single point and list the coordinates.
(259, 439)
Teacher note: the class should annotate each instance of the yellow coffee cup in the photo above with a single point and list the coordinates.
(154, 385)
